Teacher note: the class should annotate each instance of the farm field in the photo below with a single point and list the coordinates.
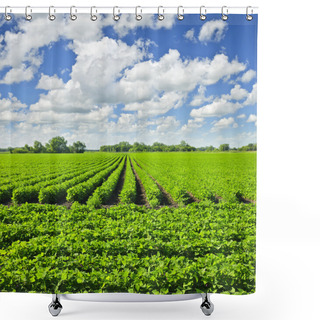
(133, 222)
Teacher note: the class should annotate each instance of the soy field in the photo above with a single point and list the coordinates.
(153, 222)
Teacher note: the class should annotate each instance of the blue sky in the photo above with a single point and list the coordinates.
(103, 82)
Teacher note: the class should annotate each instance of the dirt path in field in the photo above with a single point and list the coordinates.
(167, 199)
(141, 193)
(114, 200)
(192, 198)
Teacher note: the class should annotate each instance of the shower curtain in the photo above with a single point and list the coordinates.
(128, 154)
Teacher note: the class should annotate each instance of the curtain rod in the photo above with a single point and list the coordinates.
(133, 10)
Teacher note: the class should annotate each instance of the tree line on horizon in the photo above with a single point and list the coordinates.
(125, 146)
(59, 145)
(55, 145)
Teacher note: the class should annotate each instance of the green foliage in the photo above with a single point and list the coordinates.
(129, 191)
(82, 191)
(153, 193)
(103, 193)
(198, 248)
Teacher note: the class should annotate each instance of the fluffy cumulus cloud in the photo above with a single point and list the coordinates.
(192, 125)
(236, 93)
(200, 98)
(252, 118)
(119, 89)
(248, 76)
(174, 77)
(189, 35)
(224, 123)
(11, 103)
(50, 83)
(252, 96)
(213, 30)
(227, 103)
(128, 22)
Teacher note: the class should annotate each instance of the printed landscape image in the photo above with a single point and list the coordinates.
(128, 155)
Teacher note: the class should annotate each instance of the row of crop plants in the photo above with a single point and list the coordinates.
(199, 248)
(205, 176)
(45, 175)
(25, 167)
(45, 190)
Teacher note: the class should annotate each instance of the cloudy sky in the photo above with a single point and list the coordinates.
(104, 82)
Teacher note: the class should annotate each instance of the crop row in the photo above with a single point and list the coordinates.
(32, 186)
(58, 192)
(40, 191)
(199, 248)
(129, 190)
(104, 193)
(82, 191)
(37, 174)
(205, 176)
(153, 193)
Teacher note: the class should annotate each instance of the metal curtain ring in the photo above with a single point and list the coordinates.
(28, 15)
(6, 14)
(249, 17)
(52, 16)
(93, 17)
(138, 16)
(203, 12)
(73, 16)
(224, 15)
(160, 15)
(116, 17)
(180, 14)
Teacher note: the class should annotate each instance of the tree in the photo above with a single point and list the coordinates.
(57, 145)
(78, 147)
(224, 147)
(38, 147)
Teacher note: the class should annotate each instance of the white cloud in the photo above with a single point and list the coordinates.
(192, 125)
(223, 123)
(147, 81)
(213, 30)
(21, 47)
(252, 96)
(241, 116)
(50, 83)
(156, 106)
(248, 76)
(18, 74)
(236, 93)
(218, 108)
(167, 124)
(200, 98)
(189, 35)
(11, 103)
(128, 22)
(252, 118)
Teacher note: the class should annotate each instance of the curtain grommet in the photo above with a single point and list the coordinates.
(7, 16)
(224, 13)
(203, 13)
(28, 10)
(116, 17)
(249, 17)
(93, 17)
(52, 17)
(73, 17)
(180, 13)
(138, 16)
(160, 15)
